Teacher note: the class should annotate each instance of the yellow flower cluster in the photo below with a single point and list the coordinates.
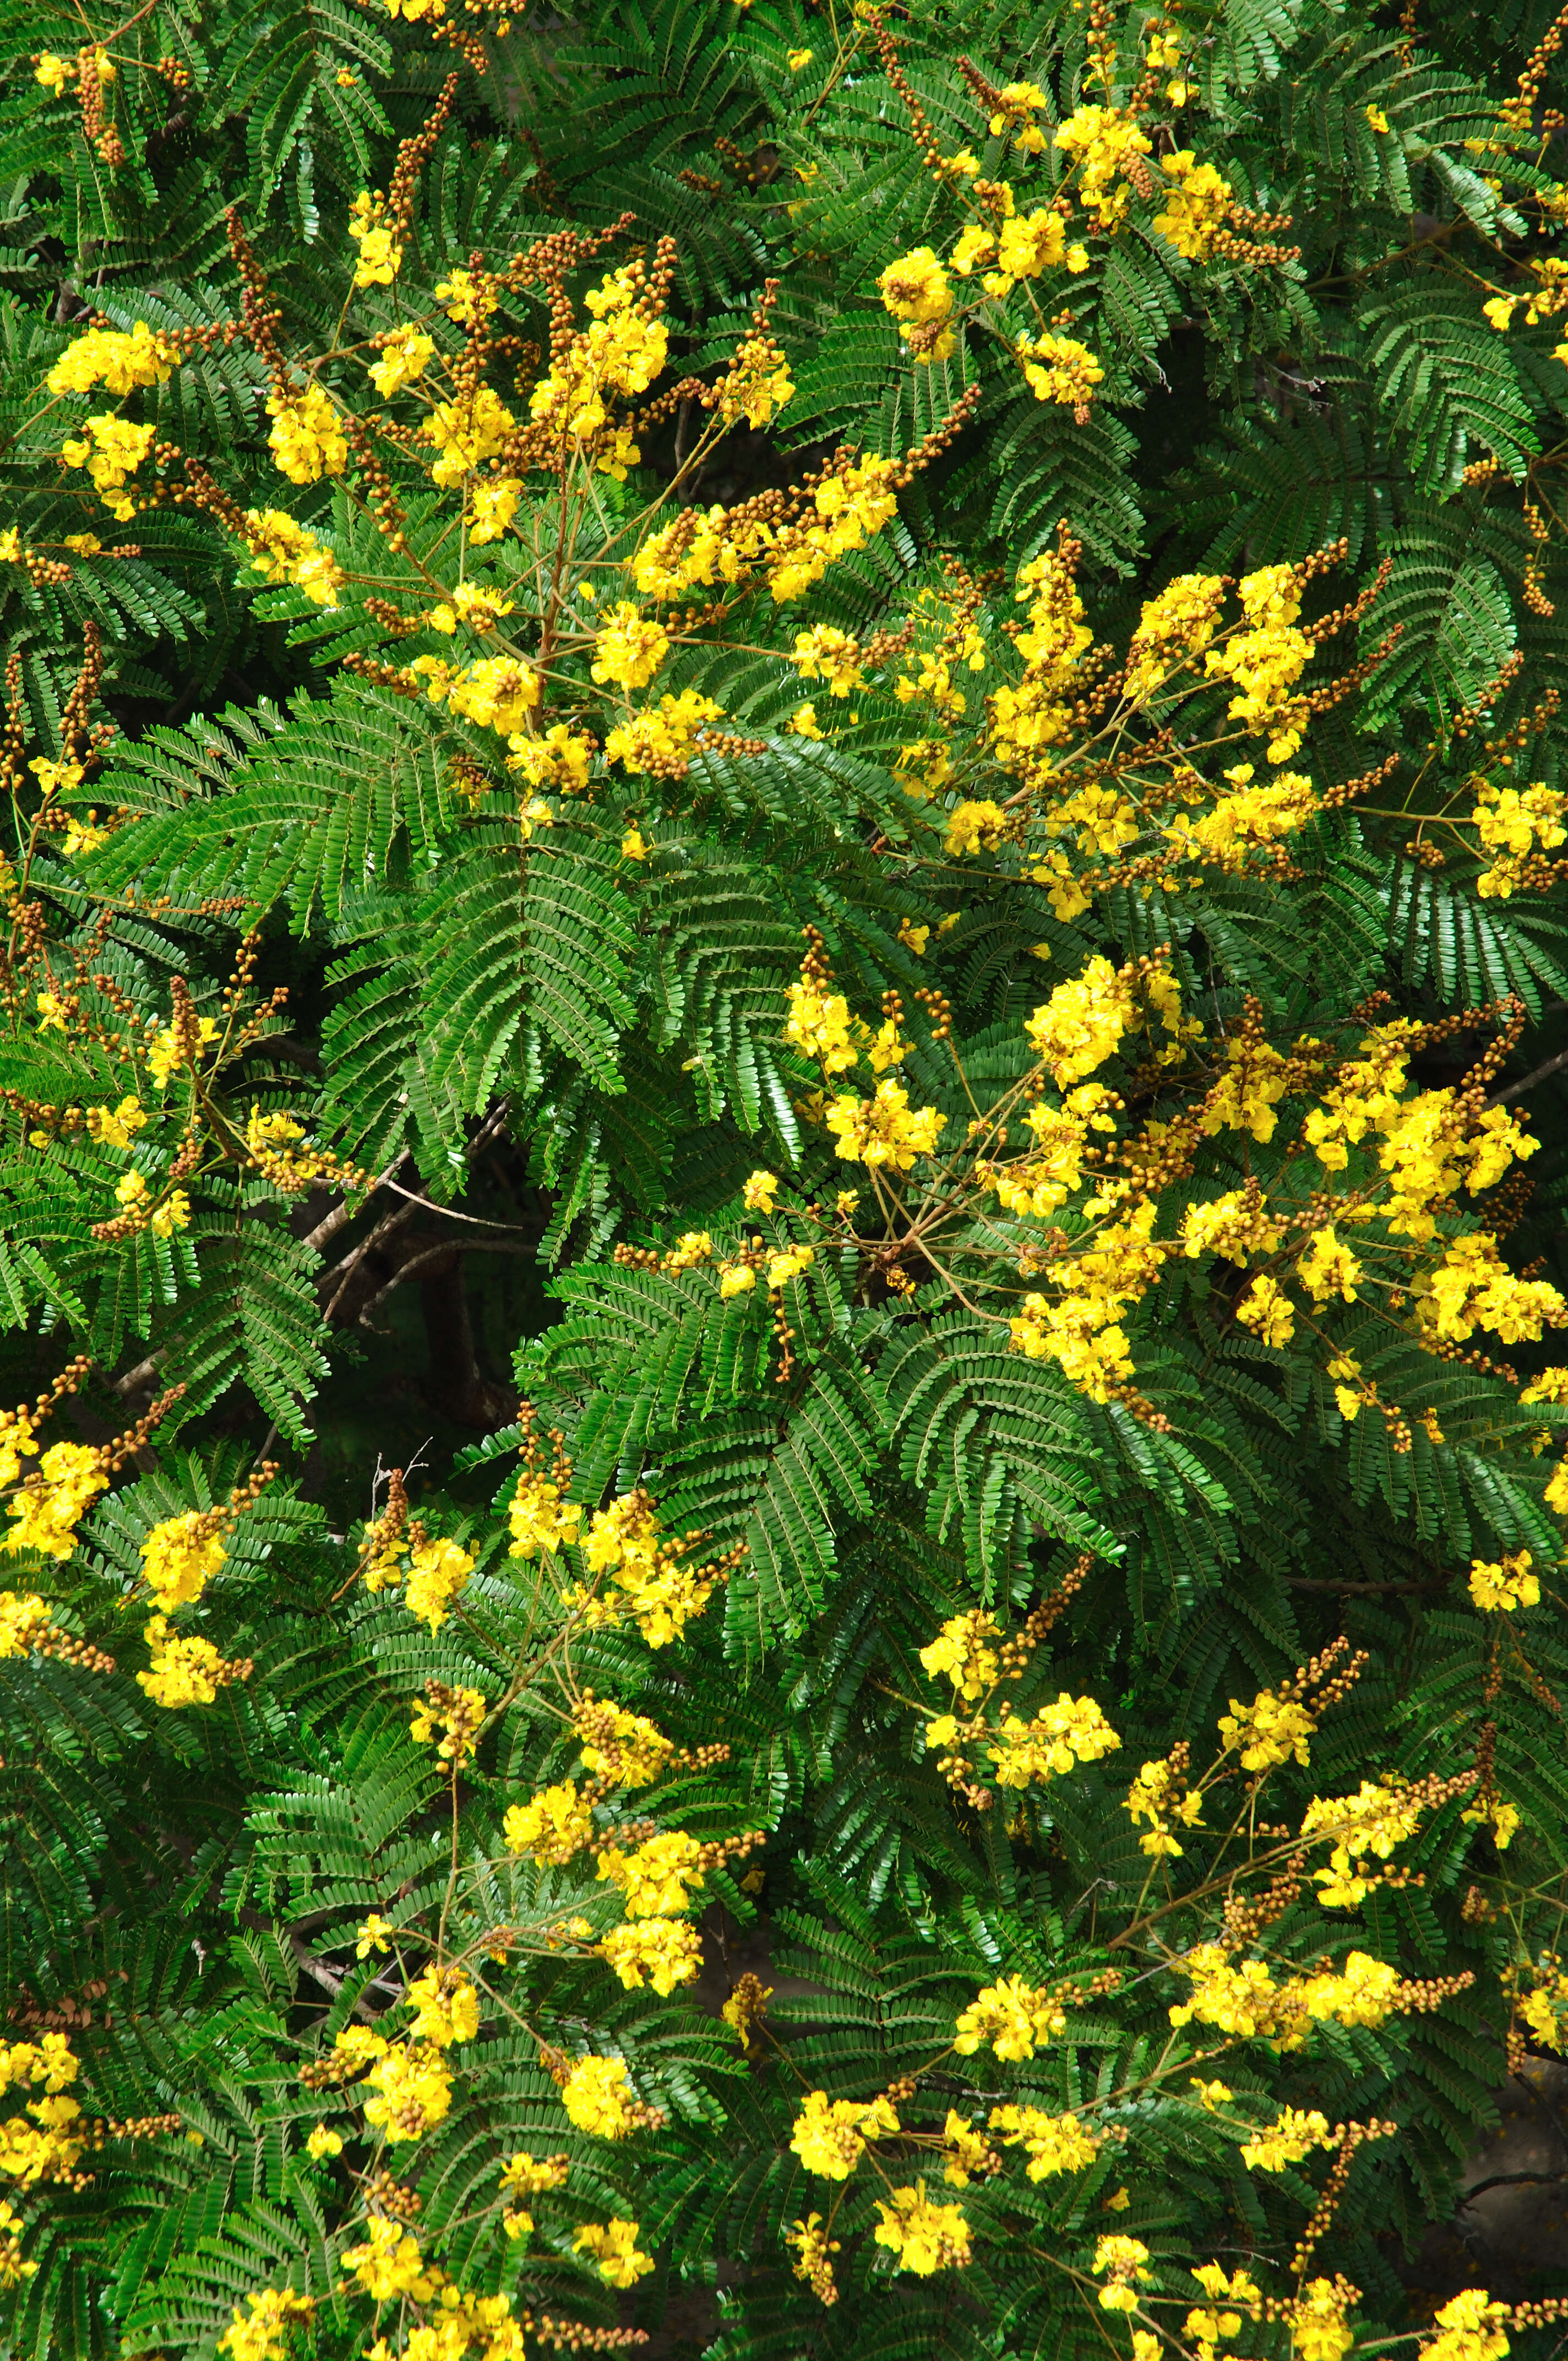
(596, 2096)
(1246, 2002)
(1268, 1732)
(883, 1129)
(181, 1556)
(458, 1714)
(466, 433)
(1013, 2018)
(389, 2264)
(1380, 1814)
(552, 1827)
(662, 1595)
(1060, 370)
(662, 1952)
(306, 440)
(559, 760)
(381, 257)
(829, 2134)
(622, 1749)
(412, 2087)
(526, 2175)
(1196, 207)
(621, 352)
(657, 1878)
(182, 1671)
(1293, 2134)
(1470, 2328)
(110, 449)
(1253, 815)
(284, 552)
(1080, 1332)
(404, 355)
(24, 1620)
(1159, 1797)
(114, 359)
(1507, 1583)
(1264, 661)
(51, 2144)
(1104, 143)
(538, 1518)
(1052, 2142)
(45, 1515)
(1120, 2261)
(662, 741)
(497, 692)
(1514, 821)
(628, 648)
(915, 290)
(851, 507)
(925, 2237)
(962, 1652)
(258, 2333)
(1317, 2317)
(1081, 1023)
(1474, 1288)
(437, 1572)
(613, 2245)
(1054, 1740)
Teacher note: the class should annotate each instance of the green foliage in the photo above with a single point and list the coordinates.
(552, 1050)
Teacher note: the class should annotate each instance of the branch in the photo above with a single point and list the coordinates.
(1517, 1090)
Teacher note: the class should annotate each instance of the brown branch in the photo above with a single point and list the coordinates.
(1517, 1090)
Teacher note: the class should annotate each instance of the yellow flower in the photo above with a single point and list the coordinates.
(1292, 2135)
(923, 2236)
(613, 2245)
(662, 1952)
(381, 257)
(181, 1556)
(1122, 2258)
(1318, 2324)
(1052, 2142)
(373, 1936)
(437, 1572)
(306, 440)
(974, 828)
(831, 2134)
(1265, 1308)
(323, 2143)
(389, 2264)
(883, 1129)
(1012, 2018)
(258, 2335)
(110, 449)
(1196, 207)
(1059, 369)
(114, 359)
(552, 1826)
(596, 2096)
(45, 1517)
(628, 649)
(1376, 118)
(446, 2007)
(1267, 1732)
(796, 60)
(182, 1671)
(915, 289)
(1505, 1585)
(654, 1878)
